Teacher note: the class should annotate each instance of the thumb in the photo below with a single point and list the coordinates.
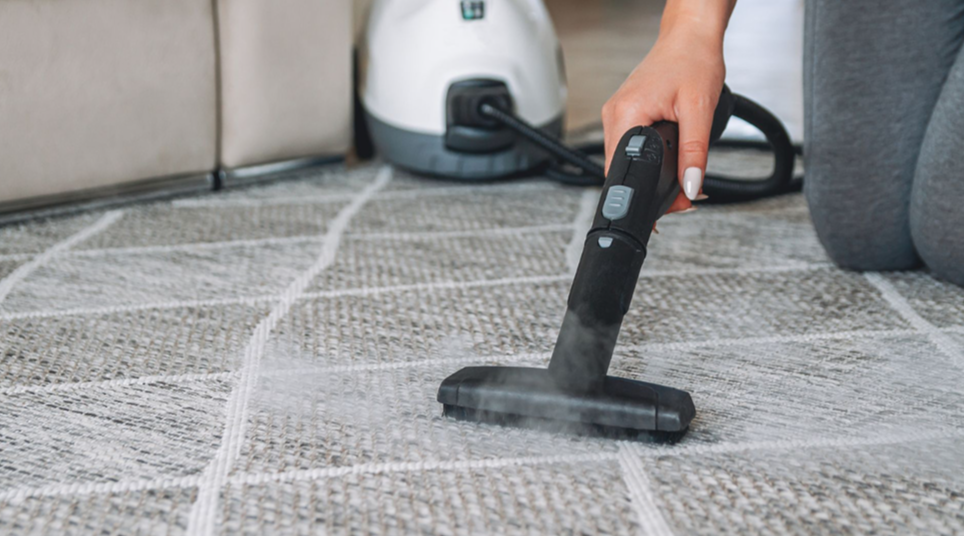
(695, 123)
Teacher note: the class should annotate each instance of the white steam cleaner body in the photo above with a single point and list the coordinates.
(425, 67)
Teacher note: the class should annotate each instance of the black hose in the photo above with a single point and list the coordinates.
(726, 190)
(596, 173)
(718, 189)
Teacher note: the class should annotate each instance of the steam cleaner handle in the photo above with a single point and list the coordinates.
(640, 187)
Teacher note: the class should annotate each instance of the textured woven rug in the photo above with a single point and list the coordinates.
(266, 361)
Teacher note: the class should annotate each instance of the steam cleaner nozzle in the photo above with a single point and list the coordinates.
(575, 392)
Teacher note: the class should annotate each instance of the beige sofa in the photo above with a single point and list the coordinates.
(106, 96)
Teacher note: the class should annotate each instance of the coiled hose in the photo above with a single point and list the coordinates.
(718, 189)
(781, 180)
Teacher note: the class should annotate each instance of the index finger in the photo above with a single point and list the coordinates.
(695, 123)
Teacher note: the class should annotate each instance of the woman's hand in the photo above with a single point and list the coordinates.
(679, 80)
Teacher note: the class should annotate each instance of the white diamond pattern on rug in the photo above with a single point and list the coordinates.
(478, 210)
(37, 236)
(414, 325)
(137, 512)
(311, 419)
(140, 395)
(109, 434)
(585, 498)
(169, 226)
(125, 345)
(890, 489)
(384, 262)
(699, 307)
(832, 387)
(7, 267)
(938, 302)
(132, 279)
(714, 238)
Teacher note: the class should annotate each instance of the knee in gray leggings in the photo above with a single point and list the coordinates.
(874, 71)
(861, 228)
(936, 212)
(938, 244)
(937, 215)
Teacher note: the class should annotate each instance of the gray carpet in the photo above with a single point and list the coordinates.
(266, 360)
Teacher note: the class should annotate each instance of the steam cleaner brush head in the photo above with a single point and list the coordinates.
(531, 398)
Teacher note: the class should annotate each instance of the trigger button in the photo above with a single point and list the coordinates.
(635, 146)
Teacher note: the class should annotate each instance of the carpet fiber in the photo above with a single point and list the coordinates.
(266, 361)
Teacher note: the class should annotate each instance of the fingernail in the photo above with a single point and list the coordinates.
(702, 197)
(687, 210)
(692, 181)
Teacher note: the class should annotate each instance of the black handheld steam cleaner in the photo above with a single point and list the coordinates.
(575, 390)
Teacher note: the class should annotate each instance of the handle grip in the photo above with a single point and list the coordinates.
(645, 161)
(640, 187)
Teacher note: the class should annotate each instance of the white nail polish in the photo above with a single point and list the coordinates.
(692, 181)
(686, 210)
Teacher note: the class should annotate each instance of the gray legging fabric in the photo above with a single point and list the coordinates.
(884, 154)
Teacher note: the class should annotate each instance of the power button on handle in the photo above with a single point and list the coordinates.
(617, 202)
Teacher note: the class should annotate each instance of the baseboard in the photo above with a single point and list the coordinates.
(152, 189)
(248, 175)
(104, 197)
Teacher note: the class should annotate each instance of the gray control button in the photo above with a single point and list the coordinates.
(635, 145)
(605, 241)
(617, 202)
